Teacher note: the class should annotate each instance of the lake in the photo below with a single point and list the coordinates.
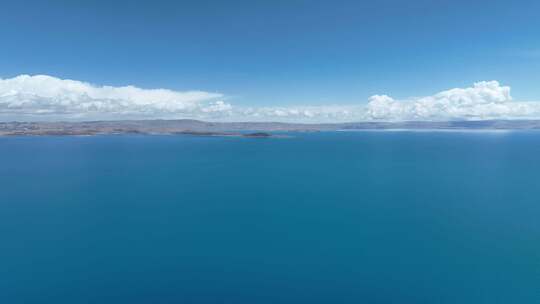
(337, 217)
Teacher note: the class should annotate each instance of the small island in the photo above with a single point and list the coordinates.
(225, 134)
(258, 135)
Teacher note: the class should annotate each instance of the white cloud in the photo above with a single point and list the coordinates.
(48, 98)
(485, 100)
(46, 95)
(306, 113)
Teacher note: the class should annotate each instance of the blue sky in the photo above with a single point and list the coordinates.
(278, 53)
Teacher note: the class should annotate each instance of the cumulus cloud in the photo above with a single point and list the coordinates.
(484, 100)
(45, 97)
(301, 114)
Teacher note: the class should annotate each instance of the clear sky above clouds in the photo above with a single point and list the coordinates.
(266, 56)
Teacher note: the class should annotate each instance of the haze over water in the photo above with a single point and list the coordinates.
(346, 217)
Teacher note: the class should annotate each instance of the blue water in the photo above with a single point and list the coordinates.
(350, 217)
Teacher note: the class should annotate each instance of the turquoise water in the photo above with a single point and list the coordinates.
(350, 217)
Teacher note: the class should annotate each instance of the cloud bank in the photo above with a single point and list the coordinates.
(44, 97)
(484, 100)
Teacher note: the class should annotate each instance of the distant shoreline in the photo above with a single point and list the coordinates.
(245, 129)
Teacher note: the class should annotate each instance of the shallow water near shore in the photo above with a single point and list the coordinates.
(331, 217)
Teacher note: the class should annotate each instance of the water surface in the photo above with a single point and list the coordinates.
(345, 217)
